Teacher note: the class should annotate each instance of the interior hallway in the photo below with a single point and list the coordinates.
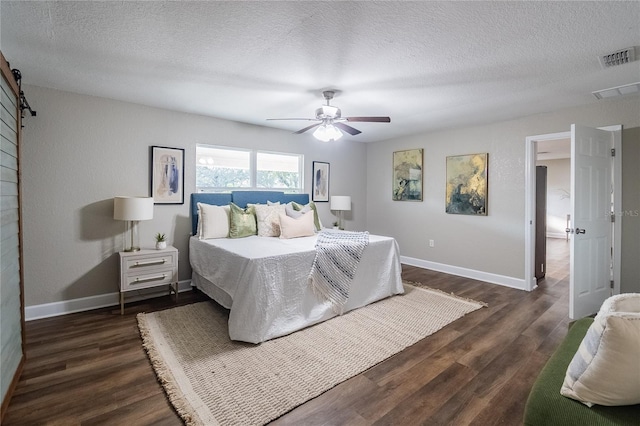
(557, 262)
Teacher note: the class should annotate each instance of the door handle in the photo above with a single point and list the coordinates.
(577, 231)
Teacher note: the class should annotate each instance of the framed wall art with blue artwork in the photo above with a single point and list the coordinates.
(167, 175)
(320, 189)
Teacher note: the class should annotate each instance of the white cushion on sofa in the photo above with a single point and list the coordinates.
(606, 368)
(625, 302)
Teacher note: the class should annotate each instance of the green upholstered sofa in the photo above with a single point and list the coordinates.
(545, 405)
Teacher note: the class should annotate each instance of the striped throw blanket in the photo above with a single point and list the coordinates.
(337, 256)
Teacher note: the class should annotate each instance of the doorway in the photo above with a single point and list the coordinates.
(532, 143)
(553, 207)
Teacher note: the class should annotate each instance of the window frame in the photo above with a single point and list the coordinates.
(253, 170)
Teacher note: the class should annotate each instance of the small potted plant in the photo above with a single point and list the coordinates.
(161, 241)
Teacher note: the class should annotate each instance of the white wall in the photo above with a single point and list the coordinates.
(81, 151)
(490, 247)
(558, 195)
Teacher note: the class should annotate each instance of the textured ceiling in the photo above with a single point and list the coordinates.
(427, 65)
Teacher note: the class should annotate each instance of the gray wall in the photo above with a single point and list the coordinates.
(81, 151)
(493, 244)
(630, 215)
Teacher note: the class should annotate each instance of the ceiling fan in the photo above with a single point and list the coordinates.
(330, 121)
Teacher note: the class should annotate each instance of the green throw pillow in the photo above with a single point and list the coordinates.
(316, 218)
(242, 222)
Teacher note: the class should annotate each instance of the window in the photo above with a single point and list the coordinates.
(221, 169)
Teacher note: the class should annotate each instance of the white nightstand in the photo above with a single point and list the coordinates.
(147, 269)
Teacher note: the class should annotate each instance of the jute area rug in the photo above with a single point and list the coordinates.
(212, 380)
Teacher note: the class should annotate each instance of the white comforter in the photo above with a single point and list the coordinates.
(263, 281)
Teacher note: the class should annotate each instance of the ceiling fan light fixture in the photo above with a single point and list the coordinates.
(328, 111)
(330, 124)
(327, 132)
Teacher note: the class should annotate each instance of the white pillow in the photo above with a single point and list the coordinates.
(606, 368)
(625, 302)
(213, 221)
(268, 219)
(291, 212)
(311, 205)
(300, 227)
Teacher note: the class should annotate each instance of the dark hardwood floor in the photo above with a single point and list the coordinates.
(90, 368)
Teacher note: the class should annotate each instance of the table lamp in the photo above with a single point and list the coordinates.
(132, 210)
(340, 203)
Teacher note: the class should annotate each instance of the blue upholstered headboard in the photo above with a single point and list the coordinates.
(241, 199)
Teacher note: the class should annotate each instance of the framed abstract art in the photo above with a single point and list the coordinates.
(167, 175)
(407, 175)
(320, 190)
(466, 191)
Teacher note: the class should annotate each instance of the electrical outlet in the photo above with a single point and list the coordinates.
(432, 243)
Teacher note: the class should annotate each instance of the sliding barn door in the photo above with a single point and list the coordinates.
(11, 294)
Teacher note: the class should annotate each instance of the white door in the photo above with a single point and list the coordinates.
(591, 231)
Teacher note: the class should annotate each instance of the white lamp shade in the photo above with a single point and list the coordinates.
(133, 208)
(341, 202)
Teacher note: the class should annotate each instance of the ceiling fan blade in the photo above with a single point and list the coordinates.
(303, 119)
(306, 128)
(370, 119)
(347, 129)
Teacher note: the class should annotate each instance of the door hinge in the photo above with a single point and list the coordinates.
(613, 152)
(611, 283)
(613, 218)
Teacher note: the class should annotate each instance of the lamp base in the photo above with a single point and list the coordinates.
(131, 237)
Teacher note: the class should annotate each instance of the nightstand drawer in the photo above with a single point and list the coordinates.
(148, 268)
(149, 279)
(139, 264)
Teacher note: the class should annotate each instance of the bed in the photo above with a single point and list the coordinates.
(263, 281)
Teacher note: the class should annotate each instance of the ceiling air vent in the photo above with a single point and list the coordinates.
(620, 57)
(617, 91)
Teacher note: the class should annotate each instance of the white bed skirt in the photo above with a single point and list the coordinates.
(264, 282)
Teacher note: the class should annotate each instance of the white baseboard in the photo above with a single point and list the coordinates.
(517, 283)
(48, 310)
